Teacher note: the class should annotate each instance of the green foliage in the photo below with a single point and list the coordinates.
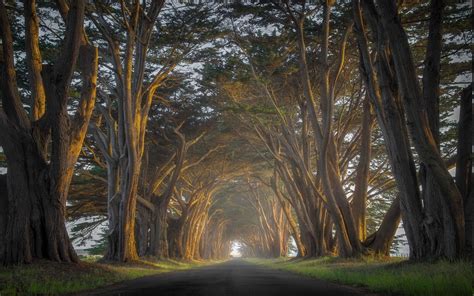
(393, 277)
(99, 248)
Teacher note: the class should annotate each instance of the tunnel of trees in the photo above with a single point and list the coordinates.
(171, 129)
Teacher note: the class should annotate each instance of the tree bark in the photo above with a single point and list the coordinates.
(159, 238)
(134, 100)
(3, 211)
(419, 124)
(359, 201)
(390, 117)
(37, 186)
(36, 224)
(464, 176)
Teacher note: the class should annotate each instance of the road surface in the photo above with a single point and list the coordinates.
(231, 278)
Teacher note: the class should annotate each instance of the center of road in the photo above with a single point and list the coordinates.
(231, 278)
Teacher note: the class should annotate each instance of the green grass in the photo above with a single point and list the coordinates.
(392, 277)
(49, 278)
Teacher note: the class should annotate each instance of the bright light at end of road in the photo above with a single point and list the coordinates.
(235, 249)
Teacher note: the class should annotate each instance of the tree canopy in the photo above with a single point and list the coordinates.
(167, 129)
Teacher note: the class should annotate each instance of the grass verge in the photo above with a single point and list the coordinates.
(50, 278)
(393, 277)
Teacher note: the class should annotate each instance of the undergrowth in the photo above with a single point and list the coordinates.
(50, 278)
(394, 277)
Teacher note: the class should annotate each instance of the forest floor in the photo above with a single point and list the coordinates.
(49, 278)
(395, 276)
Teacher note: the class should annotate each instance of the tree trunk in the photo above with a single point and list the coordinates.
(463, 160)
(159, 240)
(464, 176)
(3, 210)
(381, 240)
(291, 222)
(359, 201)
(37, 186)
(134, 100)
(176, 235)
(36, 224)
(438, 225)
(112, 209)
(390, 117)
(421, 133)
(142, 230)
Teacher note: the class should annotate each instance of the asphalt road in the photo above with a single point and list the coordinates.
(231, 278)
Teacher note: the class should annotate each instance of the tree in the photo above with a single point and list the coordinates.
(434, 217)
(42, 145)
(126, 134)
(267, 94)
(132, 92)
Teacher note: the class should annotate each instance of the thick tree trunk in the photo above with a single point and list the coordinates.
(438, 225)
(3, 211)
(37, 186)
(126, 133)
(127, 250)
(464, 147)
(174, 243)
(142, 230)
(464, 176)
(421, 133)
(176, 236)
(36, 224)
(159, 239)
(158, 224)
(434, 227)
(113, 232)
(390, 117)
